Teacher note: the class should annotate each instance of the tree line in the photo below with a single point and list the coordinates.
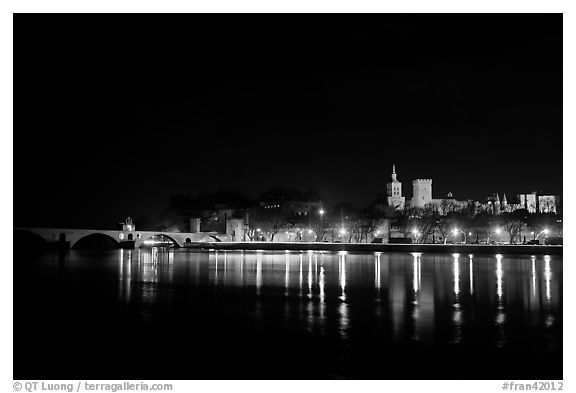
(322, 221)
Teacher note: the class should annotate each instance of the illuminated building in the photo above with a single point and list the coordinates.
(394, 192)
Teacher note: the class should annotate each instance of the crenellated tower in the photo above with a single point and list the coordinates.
(421, 193)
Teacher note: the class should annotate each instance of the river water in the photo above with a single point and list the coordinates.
(182, 314)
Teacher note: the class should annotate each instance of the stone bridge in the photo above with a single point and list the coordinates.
(180, 239)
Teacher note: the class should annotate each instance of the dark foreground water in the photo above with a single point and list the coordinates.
(177, 314)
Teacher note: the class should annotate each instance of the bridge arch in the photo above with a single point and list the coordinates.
(96, 240)
(143, 238)
(207, 238)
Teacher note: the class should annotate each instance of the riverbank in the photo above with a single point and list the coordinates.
(379, 247)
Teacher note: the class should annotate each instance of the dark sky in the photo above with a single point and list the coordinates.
(114, 114)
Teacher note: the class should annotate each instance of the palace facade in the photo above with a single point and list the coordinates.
(535, 202)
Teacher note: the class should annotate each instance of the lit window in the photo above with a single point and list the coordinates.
(121, 236)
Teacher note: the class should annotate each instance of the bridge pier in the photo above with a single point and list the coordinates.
(58, 245)
(127, 244)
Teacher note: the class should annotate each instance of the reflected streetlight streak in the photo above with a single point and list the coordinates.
(197, 273)
(155, 255)
(242, 268)
(258, 272)
(300, 281)
(457, 314)
(416, 287)
(150, 273)
(310, 275)
(500, 316)
(471, 268)
(321, 284)
(416, 279)
(377, 270)
(129, 278)
(456, 273)
(322, 305)
(342, 271)
(121, 266)
(287, 274)
(499, 275)
(139, 261)
(533, 258)
(547, 276)
(344, 320)
(216, 268)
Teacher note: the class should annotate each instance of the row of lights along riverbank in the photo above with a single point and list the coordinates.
(454, 232)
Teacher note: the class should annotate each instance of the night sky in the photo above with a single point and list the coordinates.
(114, 114)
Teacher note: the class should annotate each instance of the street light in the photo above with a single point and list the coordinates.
(416, 233)
(496, 231)
(321, 212)
(455, 233)
(545, 231)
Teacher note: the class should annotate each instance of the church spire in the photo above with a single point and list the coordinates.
(394, 172)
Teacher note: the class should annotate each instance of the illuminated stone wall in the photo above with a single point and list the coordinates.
(235, 228)
(421, 193)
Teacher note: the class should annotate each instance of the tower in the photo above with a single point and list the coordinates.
(504, 203)
(394, 191)
(421, 193)
(497, 205)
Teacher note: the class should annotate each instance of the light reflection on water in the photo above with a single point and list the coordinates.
(258, 272)
(499, 276)
(457, 312)
(377, 273)
(471, 271)
(456, 274)
(547, 276)
(310, 276)
(342, 273)
(533, 259)
(413, 294)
